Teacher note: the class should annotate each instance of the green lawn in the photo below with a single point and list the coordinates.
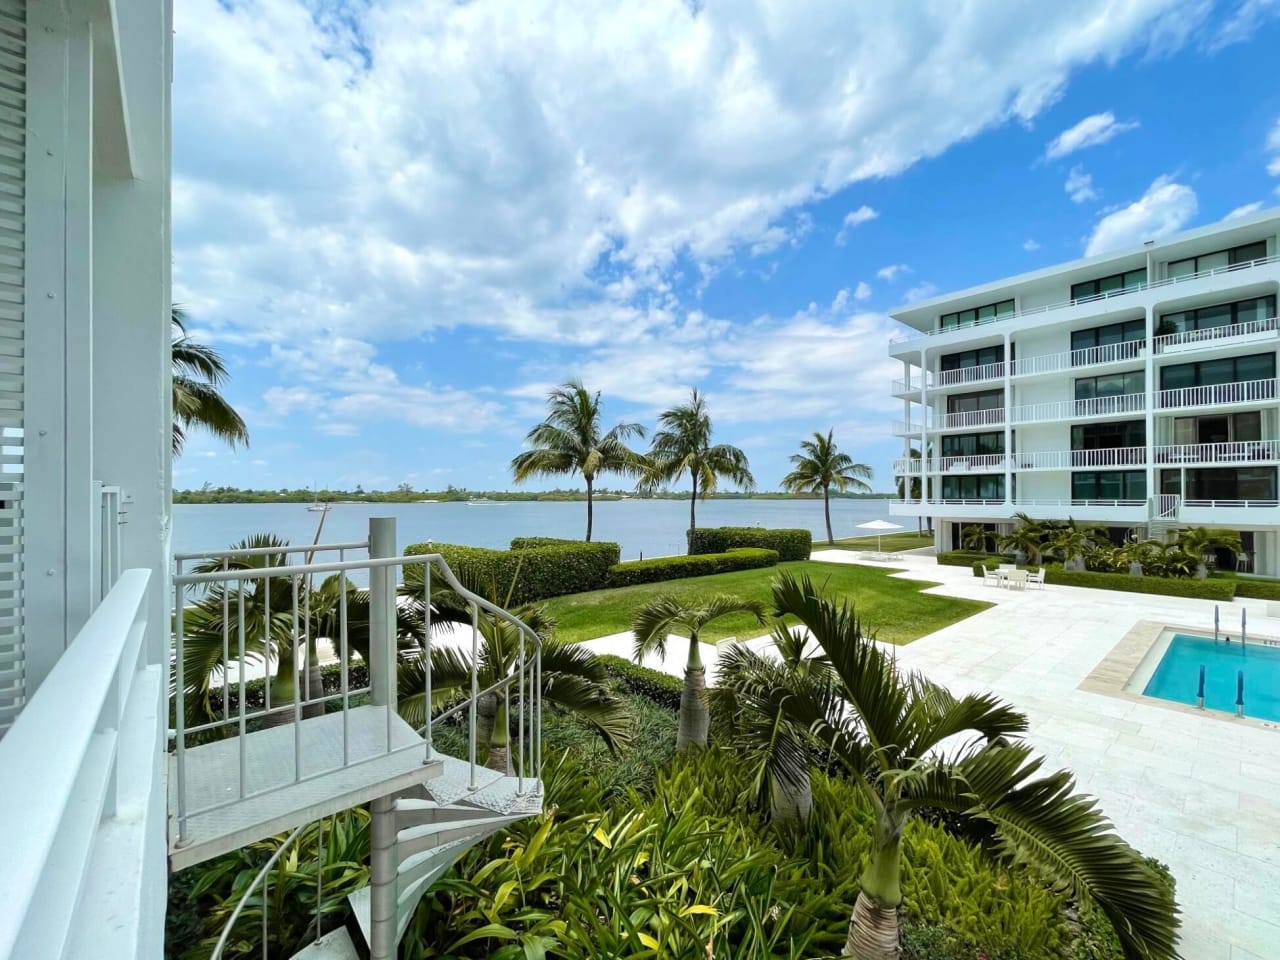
(895, 609)
(906, 540)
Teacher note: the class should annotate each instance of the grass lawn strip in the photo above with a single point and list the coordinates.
(894, 609)
(903, 540)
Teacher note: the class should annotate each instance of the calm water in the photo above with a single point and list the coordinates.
(1178, 675)
(652, 527)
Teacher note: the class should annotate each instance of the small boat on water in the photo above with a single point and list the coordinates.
(482, 502)
(316, 506)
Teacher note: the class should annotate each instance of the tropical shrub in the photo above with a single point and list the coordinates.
(791, 543)
(966, 558)
(528, 575)
(678, 568)
(533, 543)
(655, 686)
(979, 568)
(1258, 589)
(1212, 589)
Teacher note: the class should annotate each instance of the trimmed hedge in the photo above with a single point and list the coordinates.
(1258, 589)
(533, 543)
(967, 558)
(791, 543)
(1164, 586)
(678, 568)
(655, 686)
(540, 572)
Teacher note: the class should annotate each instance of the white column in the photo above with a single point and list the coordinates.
(1153, 491)
(924, 426)
(1008, 419)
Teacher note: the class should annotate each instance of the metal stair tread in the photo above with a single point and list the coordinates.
(335, 945)
(454, 782)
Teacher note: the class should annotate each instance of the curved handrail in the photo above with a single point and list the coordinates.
(235, 914)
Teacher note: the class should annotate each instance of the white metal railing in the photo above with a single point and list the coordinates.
(1020, 504)
(1164, 506)
(1076, 359)
(82, 794)
(1233, 504)
(913, 385)
(1076, 409)
(1234, 451)
(978, 374)
(1187, 340)
(244, 597)
(111, 517)
(1247, 391)
(970, 418)
(1037, 460)
(902, 427)
(1063, 304)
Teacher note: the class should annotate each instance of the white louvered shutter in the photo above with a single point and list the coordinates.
(13, 107)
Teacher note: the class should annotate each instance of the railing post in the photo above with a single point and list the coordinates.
(382, 616)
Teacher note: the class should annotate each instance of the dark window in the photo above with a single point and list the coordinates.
(1109, 485)
(973, 358)
(972, 444)
(969, 402)
(1235, 256)
(1131, 331)
(1223, 483)
(983, 314)
(1258, 366)
(1110, 385)
(1219, 315)
(1130, 280)
(1109, 436)
(979, 487)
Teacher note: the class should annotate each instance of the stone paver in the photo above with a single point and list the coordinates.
(1201, 792)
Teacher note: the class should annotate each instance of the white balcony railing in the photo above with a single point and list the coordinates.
(903, 428)
(1024, 504)
(1063, 304)
(1231, 504)
(1078, 409)
(1189, 340)
(83, 794)
(1247, 391)
(971, 418)
(1233, 452)
(1076, 359)
(913, 385)
(978, 374)
(1035, 460)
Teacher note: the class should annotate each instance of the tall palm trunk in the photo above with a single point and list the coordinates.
(791, 802)
(486, 717)
(826, 506)
(695, 718)
(312, 681)
(693, 500)
(588, 479)
(873, 928)
(500, 736)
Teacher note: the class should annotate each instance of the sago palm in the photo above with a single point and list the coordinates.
(1027, 537)
(974, 537)
(571, 440)
(1072, 541)
(654, 623)
(682, 444)
(1198, 541)
(198, 373)
(912, 746)
(821, 466)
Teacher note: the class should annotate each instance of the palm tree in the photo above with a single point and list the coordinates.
(1027, 537)
(198, 372)
(1072, 540)
(573, 679)
(887, 729)
(781, 753)
(1198, 541)
(974, 537)
(683, 445)
(820, 466)
(652, 625)
(569, 441)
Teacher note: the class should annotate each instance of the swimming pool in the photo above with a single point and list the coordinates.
(1176, 677)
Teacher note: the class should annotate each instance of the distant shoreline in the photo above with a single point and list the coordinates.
(337, 498)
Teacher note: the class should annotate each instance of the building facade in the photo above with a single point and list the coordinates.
(1134, 390)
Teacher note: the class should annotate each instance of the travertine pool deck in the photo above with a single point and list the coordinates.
(1199, 791)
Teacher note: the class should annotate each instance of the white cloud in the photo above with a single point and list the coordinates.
(852, 219)
(862, 291)
(1079, 185)
(921, 291)
(1165, 208)
(1242, 24)
(1031, 246)
(1273, 148)
(1244, 211)
(547, 171)
(892, 271)
(1089, 132)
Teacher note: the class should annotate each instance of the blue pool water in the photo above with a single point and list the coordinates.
(1178, 675)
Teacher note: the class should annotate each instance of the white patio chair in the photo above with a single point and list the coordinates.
(990, 577)
(1037, 578)
(1018, 580)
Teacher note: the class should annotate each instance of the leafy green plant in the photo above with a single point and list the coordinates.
(655, 686)
(1211, 589)
(660, 569)
(530, 574)
(791, 543)
(974, 537)
(820, 466)
(1196, 542)
(1257, 589)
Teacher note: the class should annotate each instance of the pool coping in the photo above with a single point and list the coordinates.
(1115, 673)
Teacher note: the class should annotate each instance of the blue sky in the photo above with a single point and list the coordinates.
(402, 223)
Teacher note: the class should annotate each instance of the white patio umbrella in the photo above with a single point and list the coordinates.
(880, 527)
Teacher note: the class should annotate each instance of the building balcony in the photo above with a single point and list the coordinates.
(1197, 454)
(1097, 407)
(1231, 335)
(910, 389)
(1070, 361)
(1029, 461)
(1217, 395)
(1230, 513)
(922, 338)
(1092, 511)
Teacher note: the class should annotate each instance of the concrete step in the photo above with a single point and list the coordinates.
(335, 945)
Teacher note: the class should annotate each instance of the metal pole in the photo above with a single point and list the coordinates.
(1239, 693)
(180, 719)
(382, 649)
(244, 771)
(382, 879)
(1200, 689)
(475, 692)
(426, 654)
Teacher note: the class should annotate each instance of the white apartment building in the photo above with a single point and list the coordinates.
(1134, 390)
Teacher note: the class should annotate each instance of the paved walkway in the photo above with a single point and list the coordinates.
(1201, 793)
